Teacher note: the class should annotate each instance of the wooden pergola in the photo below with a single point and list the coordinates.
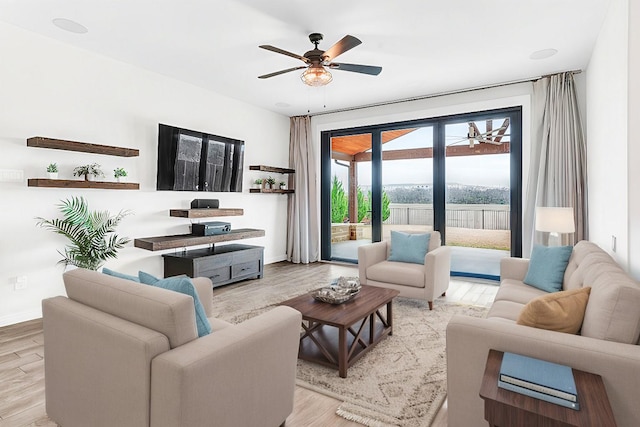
(357, 148)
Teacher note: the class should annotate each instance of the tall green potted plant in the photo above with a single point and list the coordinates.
(91, 234)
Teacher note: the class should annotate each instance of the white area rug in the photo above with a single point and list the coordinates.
(400, 382)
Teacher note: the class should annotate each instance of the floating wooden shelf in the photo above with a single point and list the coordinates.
(71, 183)
(205, 212)
(183, 240)
(265, 190)
(60, 144)
(273, 169)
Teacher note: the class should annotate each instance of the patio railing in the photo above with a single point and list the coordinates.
(487, 217)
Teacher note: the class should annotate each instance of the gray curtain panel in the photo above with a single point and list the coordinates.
(303, 222)
(558, 172)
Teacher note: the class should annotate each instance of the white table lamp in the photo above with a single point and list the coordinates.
(555, 221)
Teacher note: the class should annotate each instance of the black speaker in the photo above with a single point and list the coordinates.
(205, 203)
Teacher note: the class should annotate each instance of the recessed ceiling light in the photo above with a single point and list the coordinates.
(282, 104)
(69, 25)
(542, 54)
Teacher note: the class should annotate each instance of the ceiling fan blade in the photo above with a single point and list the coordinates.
(288, 70)
(346, 43)
(284, 52)
(356, 68)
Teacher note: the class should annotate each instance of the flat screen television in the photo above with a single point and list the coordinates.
(196, 161)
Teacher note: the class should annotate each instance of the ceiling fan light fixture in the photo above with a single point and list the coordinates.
(316, 76)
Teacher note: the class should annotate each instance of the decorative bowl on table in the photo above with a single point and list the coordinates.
(337, 293)
(352, 283)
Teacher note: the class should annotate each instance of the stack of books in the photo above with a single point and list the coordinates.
(537, 378)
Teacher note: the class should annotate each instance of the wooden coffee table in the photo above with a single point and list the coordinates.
(337, 335)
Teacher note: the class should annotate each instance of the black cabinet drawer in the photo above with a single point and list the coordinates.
(223, 264)
(244, 269)
(212, 262)
(218, 275)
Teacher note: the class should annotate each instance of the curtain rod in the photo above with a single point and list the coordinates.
(453, 92)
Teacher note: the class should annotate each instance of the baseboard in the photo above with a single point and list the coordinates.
(12, 319)
(273, 260)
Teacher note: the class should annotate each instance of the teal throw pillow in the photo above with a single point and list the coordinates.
(409, 247)
(547, 266)
(120, 275)
(184, 285)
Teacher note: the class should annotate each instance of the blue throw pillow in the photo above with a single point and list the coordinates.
(184, 285)
(409, 247)
(547, 266)
(119, 275)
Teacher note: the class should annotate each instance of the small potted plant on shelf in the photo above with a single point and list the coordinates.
(88, 171)
(283, 185)
(258, 183)
(119, 174)
(52, 170)
(271, 182)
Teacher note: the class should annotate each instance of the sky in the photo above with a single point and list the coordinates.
(488, 170)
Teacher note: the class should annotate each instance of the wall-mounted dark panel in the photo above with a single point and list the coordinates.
(196, 161)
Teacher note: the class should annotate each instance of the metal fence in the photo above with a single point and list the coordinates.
(487, 217)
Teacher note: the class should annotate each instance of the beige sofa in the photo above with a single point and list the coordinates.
(118, 353)
(606, 345)
(427, 282)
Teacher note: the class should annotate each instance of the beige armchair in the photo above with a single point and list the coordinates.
(118, 353)
(427, 281)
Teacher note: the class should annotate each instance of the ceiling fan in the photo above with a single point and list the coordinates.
(491, 136)
(316, 60)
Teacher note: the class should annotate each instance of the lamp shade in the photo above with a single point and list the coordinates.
(558, 220)
(316, 75)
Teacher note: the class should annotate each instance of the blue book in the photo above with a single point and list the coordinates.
(538, 378)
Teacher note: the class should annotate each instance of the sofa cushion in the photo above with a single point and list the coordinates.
(114, 273)
(613, 311)
(591, 265)
(507, 310)
(400, 273)
(169, 313)
(515, 290)
(547, 267)
(409, 247)
(557, 311)
(581, 250)
(183, 285)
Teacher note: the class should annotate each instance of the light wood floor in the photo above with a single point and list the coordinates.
(22, 361)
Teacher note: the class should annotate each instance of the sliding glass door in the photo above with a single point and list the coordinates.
(350, 201)
(407, 180)
(460, 175)
(478, 196)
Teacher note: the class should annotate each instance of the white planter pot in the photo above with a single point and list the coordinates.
(52, 175)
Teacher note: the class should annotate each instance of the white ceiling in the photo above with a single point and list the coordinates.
(425, 47)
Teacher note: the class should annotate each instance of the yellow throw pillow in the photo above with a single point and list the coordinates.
(558, 311)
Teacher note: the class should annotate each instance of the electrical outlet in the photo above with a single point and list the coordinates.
(20, 283)
(11, 175)
(613, 243)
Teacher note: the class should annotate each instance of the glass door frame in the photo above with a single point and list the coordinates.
(439, 180)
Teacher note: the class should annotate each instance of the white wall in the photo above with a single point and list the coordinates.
(54, 90)
(607, 135)
(479, 100)
(633, 148)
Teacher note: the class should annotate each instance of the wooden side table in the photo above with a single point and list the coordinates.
(504, 408)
